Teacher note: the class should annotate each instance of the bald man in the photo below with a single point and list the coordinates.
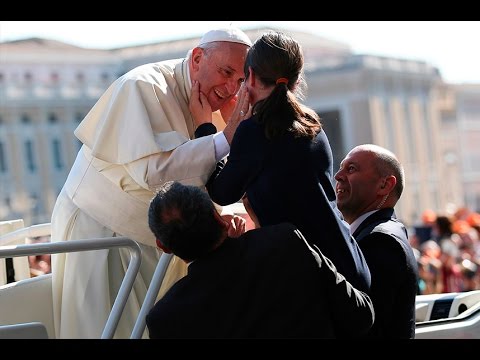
(370, 181)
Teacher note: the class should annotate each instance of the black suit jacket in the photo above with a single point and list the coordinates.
(290, 180)
(268, 283)
(393, 268)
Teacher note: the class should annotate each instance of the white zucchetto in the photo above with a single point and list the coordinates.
(228, 34)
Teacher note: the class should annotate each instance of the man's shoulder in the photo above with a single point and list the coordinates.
(392, 228)
(164, 66)
(382, 221)
(282, 235)
(387, 226)
(281, 228)
(388, 235)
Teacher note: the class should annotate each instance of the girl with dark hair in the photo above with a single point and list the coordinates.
(280, 157)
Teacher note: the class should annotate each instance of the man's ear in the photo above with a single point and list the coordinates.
(388, 184)
(197, 54)
(163, 247)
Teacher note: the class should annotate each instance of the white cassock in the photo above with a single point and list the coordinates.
(136, 137)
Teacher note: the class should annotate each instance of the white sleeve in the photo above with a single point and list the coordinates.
(191, 163)
(222, 148)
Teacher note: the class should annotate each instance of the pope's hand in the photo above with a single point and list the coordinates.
(199, 106)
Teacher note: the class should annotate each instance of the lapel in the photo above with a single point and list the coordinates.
(373, 220)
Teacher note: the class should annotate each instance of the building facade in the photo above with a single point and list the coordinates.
(47, 87)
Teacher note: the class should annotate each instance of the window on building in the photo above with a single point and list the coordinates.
(389, 110)
(8, 202)
(471, 159)
(427, 129)
(332, 123)
(30, 156)
(34, 205)
(78, 116)
(470, 117)
(3, 159)
(80, 77)
(410, 147)
(54, 77)
(449, 118)
(476, 206)
(52, 118)
(57, 154)
(26, 119)
(28, 77)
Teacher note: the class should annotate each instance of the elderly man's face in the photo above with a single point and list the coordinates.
(219, 72)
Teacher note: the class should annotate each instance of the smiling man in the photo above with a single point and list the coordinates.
(139, 134)
(370, 181)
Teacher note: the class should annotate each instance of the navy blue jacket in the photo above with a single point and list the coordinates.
(393, 268)
(290, 180)
(265, 284)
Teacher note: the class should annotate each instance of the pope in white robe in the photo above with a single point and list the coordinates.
(138, 135)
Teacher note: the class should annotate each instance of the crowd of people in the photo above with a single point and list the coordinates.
(447, 248)
(170, 145)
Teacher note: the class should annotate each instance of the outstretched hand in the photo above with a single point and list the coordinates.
(199, 106)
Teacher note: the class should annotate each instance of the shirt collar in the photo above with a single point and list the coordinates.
(354, 225)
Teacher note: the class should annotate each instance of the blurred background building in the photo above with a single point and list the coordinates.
(47, 87)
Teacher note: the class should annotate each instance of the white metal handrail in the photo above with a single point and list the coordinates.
(151, 295)
(31, 231)
(88, 245)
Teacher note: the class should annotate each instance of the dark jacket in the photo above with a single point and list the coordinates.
(268, 283)
(393, 268)
(290, 180)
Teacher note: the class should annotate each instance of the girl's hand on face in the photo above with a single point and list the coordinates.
(239, 103)
(241, 112)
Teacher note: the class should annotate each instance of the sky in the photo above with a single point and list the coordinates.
(451, 46)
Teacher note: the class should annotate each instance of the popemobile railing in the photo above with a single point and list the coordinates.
(18, 250)
(14, 237)
(26, 232)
